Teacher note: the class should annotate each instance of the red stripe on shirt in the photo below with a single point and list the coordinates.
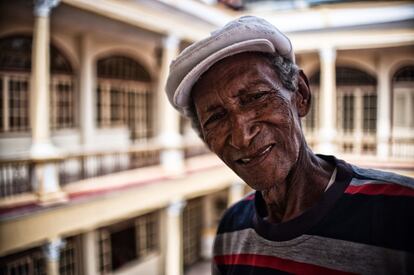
(380, 189)
(274, 263)
(249, 197)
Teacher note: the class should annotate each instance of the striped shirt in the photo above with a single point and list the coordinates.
(364, 224)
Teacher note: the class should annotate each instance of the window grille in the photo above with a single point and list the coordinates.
(370, 113)
(17, 93)
(124, 96)
(403, 90)
(404, 74)
(147, 234)
(29, 262)
(127, 241)
(354, 86)
(70, 261)
(350, 76)
(105, 261)
(15, 67)
(117, 106)
(348, 102)
(347, 147)
(121, 67)
(192, 228)
(63, 103)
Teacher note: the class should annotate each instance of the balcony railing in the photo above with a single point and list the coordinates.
(82, 166)
(15, 177)
(16, 174)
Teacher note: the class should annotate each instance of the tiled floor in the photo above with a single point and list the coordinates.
(201, 268)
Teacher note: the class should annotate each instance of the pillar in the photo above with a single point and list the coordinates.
(384, 102)
(87, 92)
(236, 192)
(52, 255)
(40, 93)
(168, 119)
(327, 110)
(209, 227)
(44, 173)
(174, 256)
(90, 253)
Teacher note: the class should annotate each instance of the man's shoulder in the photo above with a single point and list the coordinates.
(371, 181)
(239, 216)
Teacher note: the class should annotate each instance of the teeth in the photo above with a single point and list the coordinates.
(246, 160)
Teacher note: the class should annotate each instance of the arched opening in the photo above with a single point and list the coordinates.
(124, 96)
(15, 70)
(403, 111)
(357, 110)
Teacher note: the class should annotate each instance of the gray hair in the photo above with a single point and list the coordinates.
(287, 71)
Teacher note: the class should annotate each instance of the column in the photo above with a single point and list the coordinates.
(40, 94)
(87, 92)
(52, 254)
(384, 102)
(236, 192)
(174, 256)
(45, 172)
(168, 119)
(90, 253)
(327, 101)
(209, 227)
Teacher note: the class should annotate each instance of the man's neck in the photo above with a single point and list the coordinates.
(302, 189)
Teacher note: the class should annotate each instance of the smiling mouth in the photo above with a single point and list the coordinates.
(257, 156)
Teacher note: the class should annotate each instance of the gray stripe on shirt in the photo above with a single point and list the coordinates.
(326, 252)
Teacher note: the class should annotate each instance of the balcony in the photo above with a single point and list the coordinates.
(81, 171)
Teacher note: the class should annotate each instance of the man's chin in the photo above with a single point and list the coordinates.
(257, 185)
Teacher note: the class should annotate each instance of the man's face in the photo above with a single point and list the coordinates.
(249, 119)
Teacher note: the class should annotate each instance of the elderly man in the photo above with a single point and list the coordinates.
(310, 214)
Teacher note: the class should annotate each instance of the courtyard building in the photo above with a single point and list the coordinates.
(100, 175)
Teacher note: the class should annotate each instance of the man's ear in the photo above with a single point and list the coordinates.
(303, 95)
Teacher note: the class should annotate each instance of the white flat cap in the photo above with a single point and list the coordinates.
(245, 34)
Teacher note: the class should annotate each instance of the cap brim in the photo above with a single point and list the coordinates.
(182, 95)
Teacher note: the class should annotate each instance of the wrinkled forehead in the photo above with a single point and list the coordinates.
(235, 72)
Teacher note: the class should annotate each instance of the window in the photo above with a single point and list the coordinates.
(30, 262)
(348, 113)
(370, 113)
(124, 96)
(123, 247)
(15, 69)
(403, 90)
(16, 97)
(62, 102)
(116, 106)
(192, 228)
(70, 261)
(122, 243)
(357, 110)
(346, 76)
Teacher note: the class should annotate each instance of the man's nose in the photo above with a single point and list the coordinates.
(242, 132)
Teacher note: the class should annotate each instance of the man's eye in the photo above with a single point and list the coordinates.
(214, 117)
(252, 97)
